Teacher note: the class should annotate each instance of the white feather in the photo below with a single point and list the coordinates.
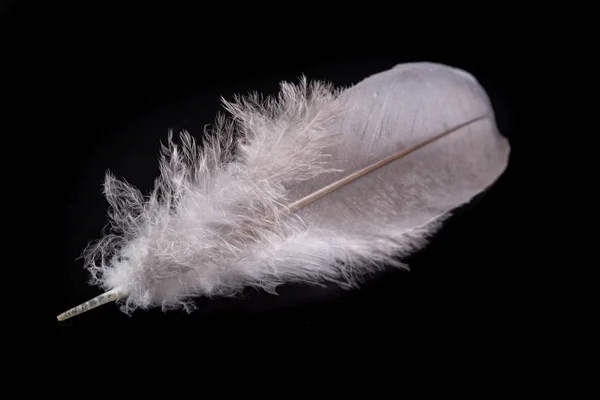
(216, 222)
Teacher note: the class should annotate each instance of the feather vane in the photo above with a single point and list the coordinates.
(317, 185)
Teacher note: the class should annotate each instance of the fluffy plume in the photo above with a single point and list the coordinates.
(213, 204)
(222, 217)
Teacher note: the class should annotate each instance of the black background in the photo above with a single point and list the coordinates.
(112, 82)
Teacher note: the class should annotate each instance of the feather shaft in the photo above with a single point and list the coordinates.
(115, 294)
(104, 298)
(362, 172)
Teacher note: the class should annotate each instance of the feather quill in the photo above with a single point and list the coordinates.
(325, 185)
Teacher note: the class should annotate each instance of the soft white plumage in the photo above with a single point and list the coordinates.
(217, 221)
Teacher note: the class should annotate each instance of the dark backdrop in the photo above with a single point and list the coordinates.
(113, 89)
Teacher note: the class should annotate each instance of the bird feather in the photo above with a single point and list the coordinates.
(267, 200)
